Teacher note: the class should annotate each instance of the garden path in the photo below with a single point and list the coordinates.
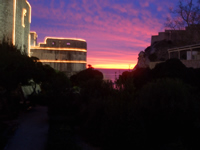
(32, 132)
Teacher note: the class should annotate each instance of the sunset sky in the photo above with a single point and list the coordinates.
(115, 30)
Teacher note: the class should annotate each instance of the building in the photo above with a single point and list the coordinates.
(15, 19)
(168, 35)
(64, 54)
(33, 38)
(190, 33)
(189, 55)
(181, 44)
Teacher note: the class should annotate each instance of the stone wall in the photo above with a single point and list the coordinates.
(21, 34)
(191, 63)
(44, 54)
(183, 37)
(6, 19)
(62, 54)
(153, 64)
(33, 38)
(68, 68)
(169, 35)
(188, 63)
(64, 43)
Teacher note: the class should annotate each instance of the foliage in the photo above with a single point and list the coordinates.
(185, 16)
(61, 137)
(54, 81)
(187, 13)
(153, 57)
(86, 75)
(153, 118)
(166, 107)
(148, 109)
(15, 67)
(137, 77)
(174, 68)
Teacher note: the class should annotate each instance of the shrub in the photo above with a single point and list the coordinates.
(169, 113)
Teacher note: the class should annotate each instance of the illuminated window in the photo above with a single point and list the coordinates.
(53, 43)
(24, 11)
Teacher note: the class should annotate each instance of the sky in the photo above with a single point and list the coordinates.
(115, 30)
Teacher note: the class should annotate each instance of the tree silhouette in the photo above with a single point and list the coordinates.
(15, 67)
(186, 15)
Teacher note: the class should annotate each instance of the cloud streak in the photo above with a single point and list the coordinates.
(115, 30)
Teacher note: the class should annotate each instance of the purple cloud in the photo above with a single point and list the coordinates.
(115, 31)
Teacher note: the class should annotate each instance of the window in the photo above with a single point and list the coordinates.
(53, 43)
(24, 11)
(68, 44)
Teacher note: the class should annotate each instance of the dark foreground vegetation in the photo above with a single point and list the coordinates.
(14, 70)
(146, 109)
(18, 70)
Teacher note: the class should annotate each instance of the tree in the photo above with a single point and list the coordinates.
(85, 75)
(15, 67)
(186, 15)
(90, 66)
(166, 108)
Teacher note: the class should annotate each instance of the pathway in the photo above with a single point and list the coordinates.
(32, 132)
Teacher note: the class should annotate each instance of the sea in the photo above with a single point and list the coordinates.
(111, 74)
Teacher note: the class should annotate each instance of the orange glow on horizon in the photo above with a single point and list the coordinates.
(113, 66)
(62, 61)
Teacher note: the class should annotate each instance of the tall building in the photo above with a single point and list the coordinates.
(15, 19)
(33, 38)
(64, 54)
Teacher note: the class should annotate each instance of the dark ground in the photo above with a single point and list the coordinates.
(32, 132)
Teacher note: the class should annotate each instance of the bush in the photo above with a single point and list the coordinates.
(169, 113)
(153, 57)
(86, 75)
